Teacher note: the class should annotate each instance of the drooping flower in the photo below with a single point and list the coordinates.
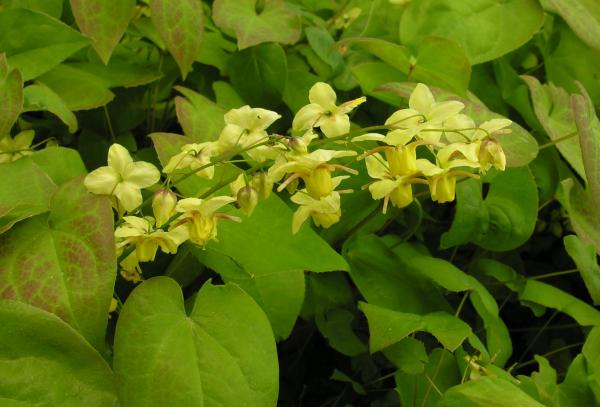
(11, 149)
(322, 112)
(394, 188)
(122, 178)
(196, 157)
(141, 233)
(324, 211)
(199, 217)
(163, 206)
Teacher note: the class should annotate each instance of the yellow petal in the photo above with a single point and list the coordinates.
(307, 117)
(209, 206)
(118, 157)
(381, 189)
(129, 196)
(421, 99)
(141, 174)
(102, 181)
(376, 166)
(300, 216)
(334, 125)
(322, 94)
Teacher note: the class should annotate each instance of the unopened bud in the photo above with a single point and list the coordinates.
(163, 205)
(247, 199)
(298, 145)
(491, 154)
(262, 185)
(318, 183)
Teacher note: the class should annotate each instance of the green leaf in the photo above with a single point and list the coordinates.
(180, 25)
(259, 74)
(583, 16)
(275, 281)
(519, 146)
(584, 256)
(126, 68)
(571, 61)
(553, 109)
(222, 353)
(408, 355)
(584, 214)
(591, 353)
(486, 392)
(21, 200)
(35, 43)
(60, 163)
(321, 41)
(226, 95)
(104, 21)
(588, 127)
(298, 84)
(64, 261)
(336, 327)
(200, 118)
(552, 297)
(371, 75)
(79, 90)
(216, 50)
(274, 22)
(53, 8)
(512, 205)
(39, 97)
(326, 292)
(439, 61)
(67, 370)
(11, 95)
(471, 215)
(487, 29)
(387, 327)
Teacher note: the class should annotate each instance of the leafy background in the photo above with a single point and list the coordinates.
(491, 300)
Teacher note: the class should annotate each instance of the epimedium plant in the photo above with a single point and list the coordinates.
(303, 202)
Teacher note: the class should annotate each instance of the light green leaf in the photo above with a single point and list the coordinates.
(487, 392)
(216, 50)
(591, 353)
(220, 354)
(588, 127)
(104, 21)
(471, 215)
(519, 146)
(276, 282)
(584, 256)
(226, 95)
(11, 95)
(200, 118)
(274, 22)
(387, 327)
(439, 61)
(66, 370)
(60, 163)
(553, 109)
(39, 97)
(18, 199)
(584, 214)
(35, 43)
(370, 75)
(64, 261)
(259, 74)
(298, 84)
(53, 8)
(552, 297)
(487, 29)
(583, 16)
(181, 26)
(321, 41)
(125, 69)
(80, 90)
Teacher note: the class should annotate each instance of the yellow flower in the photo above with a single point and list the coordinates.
(313, 168)
(122, 178)
(389, 187)
(141, 233)
(163, 206)
(246, 127)
(200, 219)
(424, 117)
(325, 211)
(194, 156)
(11, 149)
(322, 112)
(130, 269)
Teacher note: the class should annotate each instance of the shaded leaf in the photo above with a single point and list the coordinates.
(39, 97)
(583, 16)
(67, 370)
(53, 8)
(487, 29)
(35, 43)
(104, 21)
(584, 256)
(181, 26)
(64, 261)
(275, 22)
(221, 353)
(584, 214)
(200, 118)
(11, 96)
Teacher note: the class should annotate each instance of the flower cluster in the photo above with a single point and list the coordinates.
(429, 142)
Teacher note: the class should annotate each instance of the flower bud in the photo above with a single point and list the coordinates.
(402, 196)
(262, 185)
(318, 183)
(163, 205)
(298, 145)
(247, 199)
